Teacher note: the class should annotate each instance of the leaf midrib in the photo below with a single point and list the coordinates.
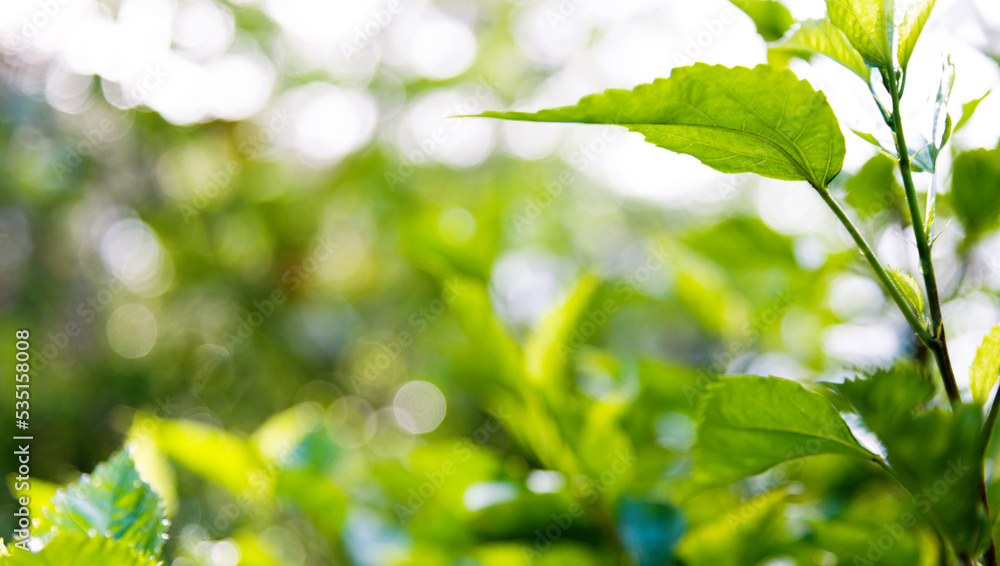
(809, 177)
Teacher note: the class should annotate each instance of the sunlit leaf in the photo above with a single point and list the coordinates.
(909, 30)
(822, 37)
(113, 502)
(735, 120)
(968, 109)
(214, 454)
(868, 25)
(907, 285)
(749, 424)
(771, 18)
(79, 549)
(986, 366)
(874, 141)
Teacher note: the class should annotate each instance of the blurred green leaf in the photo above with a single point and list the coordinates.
(968, 109)
(214, 454)
(738, 537)
(735, 120)
(868, 25)
(113, 502)
(975, 190)
(550, 347)
(771, 18)
(822, 37)
(874, 188)
(749, 424)
(985, 367)
(80, 549)
(909, 30)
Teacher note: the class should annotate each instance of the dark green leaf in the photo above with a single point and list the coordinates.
(749, 424)
(887, 399)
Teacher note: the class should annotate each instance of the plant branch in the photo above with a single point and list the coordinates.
(938, 344)
(883, 276)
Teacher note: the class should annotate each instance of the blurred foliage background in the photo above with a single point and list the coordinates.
(340, 325)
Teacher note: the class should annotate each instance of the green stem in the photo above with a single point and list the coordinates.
(893, 291)
(938, 344)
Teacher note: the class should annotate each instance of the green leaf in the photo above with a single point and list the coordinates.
(771, 18)
(735, 120)
(909, 31)
(874, 189)
(935, 454)
(749, 424)
(214, 454)
(985, 366)
(872, 140)
(888, 399)
(940, 450)
(114, 502)
(907, 285)
(822, 37)
(78, 549)
(548, 349)
(739, 536)
(968, 109)
(975, 190)
(868, 25)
